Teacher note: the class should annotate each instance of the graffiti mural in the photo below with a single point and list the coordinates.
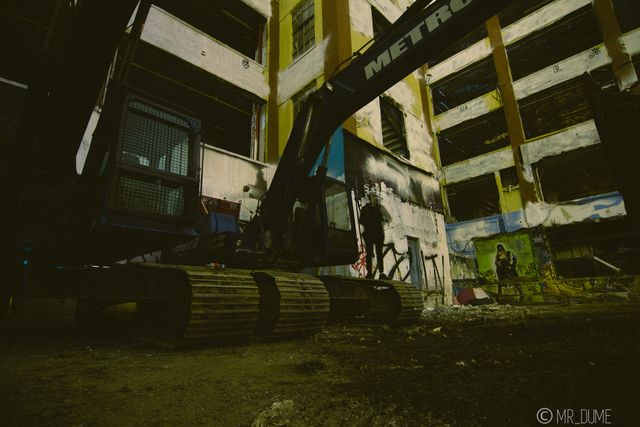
(506, 256)
(367, 165)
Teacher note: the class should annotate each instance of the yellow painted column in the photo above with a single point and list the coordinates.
(515, 128)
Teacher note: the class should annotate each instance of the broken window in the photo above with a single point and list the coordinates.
(479, 33)
(230, 117)
(474, 81)
(475, 198)
(573, 34)
(508, 178)
(299, 97)
(393, 132)
(303, 19)
(473, 138)
(230, 21)
(561, 106)
(519, 9)
(380, 22)
(580, 249)
(555, 109)
(628, 14)
(579, 173)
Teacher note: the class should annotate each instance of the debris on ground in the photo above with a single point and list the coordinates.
(278, 415)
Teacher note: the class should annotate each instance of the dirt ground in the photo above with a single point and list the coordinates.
(459, 366)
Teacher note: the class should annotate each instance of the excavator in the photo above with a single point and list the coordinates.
(63, 234)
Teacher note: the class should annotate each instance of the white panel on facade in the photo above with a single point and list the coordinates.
(541, 18)
(578, 136)
(303, 70)
(475, 108)
(263, 7)
(562, 71)
(460, 60)
(478, 166)
(185, 42)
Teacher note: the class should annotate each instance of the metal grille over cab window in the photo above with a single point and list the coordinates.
(156, 176)
(303, 28)
(156, 139)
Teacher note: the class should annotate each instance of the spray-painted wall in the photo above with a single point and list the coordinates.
(518, 244)
(412, 197)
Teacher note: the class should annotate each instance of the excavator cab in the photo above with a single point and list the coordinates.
(329, 236)
(147, 178)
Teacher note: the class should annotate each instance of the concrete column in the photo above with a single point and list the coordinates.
(336, 24)
(620, 59)
(273, 135)
(510, 105)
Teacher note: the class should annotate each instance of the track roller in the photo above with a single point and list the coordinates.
(378, 301)
(291, 304)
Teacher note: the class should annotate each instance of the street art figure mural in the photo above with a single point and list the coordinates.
(506, 256)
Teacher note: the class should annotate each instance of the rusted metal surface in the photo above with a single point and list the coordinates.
(291, 304)
(222, 305)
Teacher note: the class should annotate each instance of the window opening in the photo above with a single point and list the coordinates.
(303, 19)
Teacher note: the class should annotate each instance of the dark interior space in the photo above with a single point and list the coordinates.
(225, 111)
(229, 21)
(476, 80)
(474, 198)
(519, 9)
(574, 33)
(563, 105)
(628, 14)
(23, 28)
(380, 23)
(479, 33)
(555, 109)
(473, 137)
(575, 174)
(614, 242)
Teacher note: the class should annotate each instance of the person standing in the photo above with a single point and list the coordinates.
(373, 216)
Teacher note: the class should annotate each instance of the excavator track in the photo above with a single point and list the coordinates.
(232, 304)
(213, 306)
(378, 301)
(292, 304)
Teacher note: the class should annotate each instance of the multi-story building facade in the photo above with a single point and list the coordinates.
(241, 68)
(517, 143)
(385, 148)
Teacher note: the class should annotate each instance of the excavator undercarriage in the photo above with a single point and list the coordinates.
(184, 306)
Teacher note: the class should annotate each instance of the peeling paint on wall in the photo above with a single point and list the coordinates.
(225, 174)
(475, 108)
(582, 135)
(541, 18)
(589, 208)
(305, 69)
(420, 143)
(360, 15)
(173, 36)
(390, 10)
(632, 41)
(369, 123)
(462, 59)
(263, 7)
(477, 166)
(404, 95)
(562, 71)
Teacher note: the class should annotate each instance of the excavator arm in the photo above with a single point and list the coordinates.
(424, 29)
